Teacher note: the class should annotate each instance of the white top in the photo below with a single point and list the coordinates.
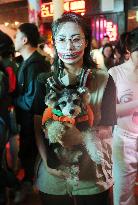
(127, 91)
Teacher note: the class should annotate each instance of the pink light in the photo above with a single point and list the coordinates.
(112, 30)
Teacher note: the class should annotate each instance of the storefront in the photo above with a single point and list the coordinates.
(47, 13)
(12, 13)
(109, 19)
(132, 15)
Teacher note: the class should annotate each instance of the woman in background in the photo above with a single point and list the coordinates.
(125, 141)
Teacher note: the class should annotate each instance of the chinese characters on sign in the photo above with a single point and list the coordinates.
(75, 6)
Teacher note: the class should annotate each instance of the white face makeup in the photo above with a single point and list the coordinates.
(70, 43)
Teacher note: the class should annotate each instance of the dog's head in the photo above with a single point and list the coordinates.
(68, 101)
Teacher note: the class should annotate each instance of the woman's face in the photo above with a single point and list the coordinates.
(70, 43)
(107, 52)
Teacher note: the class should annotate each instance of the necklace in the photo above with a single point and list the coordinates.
(57, 84)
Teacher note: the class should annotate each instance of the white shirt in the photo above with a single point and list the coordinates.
(127, 91)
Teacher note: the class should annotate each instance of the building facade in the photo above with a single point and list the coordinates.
(105, 17)
(132, 14)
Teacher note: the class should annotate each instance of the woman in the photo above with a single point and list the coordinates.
(108, 55)
(72, 67)
(125, 141)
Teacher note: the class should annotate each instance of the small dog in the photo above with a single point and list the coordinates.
(67, 108)
(70, 103)
(70, 108)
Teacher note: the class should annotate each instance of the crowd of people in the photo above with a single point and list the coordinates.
(74, 158)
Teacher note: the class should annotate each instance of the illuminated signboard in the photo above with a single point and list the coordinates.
(103, 27)
(111, 30)
(75, 6)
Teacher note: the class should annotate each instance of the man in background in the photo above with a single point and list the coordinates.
(26, 42)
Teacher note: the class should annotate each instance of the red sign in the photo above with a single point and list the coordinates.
(70, 5)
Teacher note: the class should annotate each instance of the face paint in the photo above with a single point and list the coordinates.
(70, 56)
(70, 43)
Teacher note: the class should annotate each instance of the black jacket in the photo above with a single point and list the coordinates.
(27, 83)
(4, 86)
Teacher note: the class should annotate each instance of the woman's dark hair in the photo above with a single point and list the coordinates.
(128, 41)
(6, 45)
(109, 62)
(118, 49)
(132, 40)
(81, 21)
(110, 46)
(31, 32)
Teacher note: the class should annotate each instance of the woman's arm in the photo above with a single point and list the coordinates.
(38, 137)
(42, 148)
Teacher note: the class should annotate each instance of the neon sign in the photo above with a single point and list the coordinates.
(105, 27)
(71, 5)
(111, 30)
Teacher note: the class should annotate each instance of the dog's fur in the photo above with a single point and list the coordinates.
(71, 102)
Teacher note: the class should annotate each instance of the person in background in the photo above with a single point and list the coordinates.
(40, 49)
(7, 177)
(118, 55)
(125, 140)
(3, 129)
(26, 42)
(108, 55)
(7, 57)
(94, 44)
(127, 55)
(104, 41)
(97, 54)
(72, 66)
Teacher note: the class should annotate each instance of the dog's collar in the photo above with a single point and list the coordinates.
(82, 118)
(48, 114)
(57, 112)
(88, 117)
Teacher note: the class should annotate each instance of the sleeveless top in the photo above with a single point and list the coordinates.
(88, 176)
